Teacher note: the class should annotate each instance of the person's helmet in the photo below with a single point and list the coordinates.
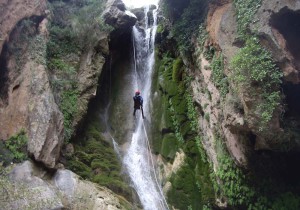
(137, 92)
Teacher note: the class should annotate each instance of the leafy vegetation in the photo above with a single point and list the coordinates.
(218, 76)
(17, 145)
(69, 107)
(79, 24)
(194, 13)
(246, 10)
(254, 72)
(234, 184)
(254, 67)
(257, 190)
(75, 27)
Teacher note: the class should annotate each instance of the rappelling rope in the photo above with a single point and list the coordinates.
(165, 204)
(156, 180)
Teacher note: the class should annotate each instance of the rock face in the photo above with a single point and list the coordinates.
(222, 28)
(91, 66)
(34, 188)
(12, 11)
(277, 28)
(142, 13)
(275, 25)
(27, 101)
(117, 16)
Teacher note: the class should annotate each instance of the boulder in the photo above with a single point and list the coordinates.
(30, 187)
(27, 190)
(80, 194)
(117, 16)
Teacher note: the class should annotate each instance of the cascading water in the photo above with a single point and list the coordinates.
(138, 159)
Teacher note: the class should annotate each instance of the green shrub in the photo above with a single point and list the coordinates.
(218, 76)
(69, 108)
(245, 10)
(253, 67)
(184, 28)
(234, 184)
(17, 145)
(88, 22)
(191, 112)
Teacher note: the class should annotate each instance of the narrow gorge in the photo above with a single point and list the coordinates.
(220, 87)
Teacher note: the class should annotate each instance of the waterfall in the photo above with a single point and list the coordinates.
(138, 159)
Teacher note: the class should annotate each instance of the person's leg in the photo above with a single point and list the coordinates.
(134, 110)
(142, 112)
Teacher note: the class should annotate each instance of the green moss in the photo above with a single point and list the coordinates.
(113, 183)
(192, 183)
(183, 187)
(169, 146)
(94, 159)
(69, 108)
(180, 105)
(83, 157)
(177, 70)
(186, 130)
(159, 29)
(80, 168)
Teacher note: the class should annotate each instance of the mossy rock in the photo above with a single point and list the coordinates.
(169, 87)
(112, 183)
(182, 119)
(169, 146)
(80, 168)
(184, 191)
(185, 129)
(190, 147)
(179, 104)
(177, 70)
(84, 157)
(202, 175)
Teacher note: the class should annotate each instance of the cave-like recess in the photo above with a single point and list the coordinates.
(287, 22)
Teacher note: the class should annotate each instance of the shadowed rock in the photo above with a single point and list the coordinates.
(116, 15)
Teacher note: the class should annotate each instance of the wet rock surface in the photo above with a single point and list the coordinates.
(117, 16)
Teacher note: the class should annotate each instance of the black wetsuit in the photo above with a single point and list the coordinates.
(138, 104)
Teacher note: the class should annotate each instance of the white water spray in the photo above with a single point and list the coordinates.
(138, 159)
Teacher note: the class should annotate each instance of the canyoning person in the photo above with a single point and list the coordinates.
(138, 103)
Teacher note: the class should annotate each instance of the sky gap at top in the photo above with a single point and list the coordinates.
(139, 3)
